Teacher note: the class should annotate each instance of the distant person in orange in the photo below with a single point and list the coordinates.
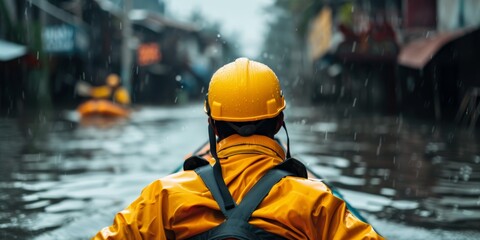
(112, 91)
(110, 99)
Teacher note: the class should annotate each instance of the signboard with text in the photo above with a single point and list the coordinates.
(148, 53)
(64, 38)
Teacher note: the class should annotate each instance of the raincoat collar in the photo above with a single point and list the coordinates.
(255, 144)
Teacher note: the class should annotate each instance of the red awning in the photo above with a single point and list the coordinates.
(418, 53)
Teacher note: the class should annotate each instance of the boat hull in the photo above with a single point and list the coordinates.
(102, 108)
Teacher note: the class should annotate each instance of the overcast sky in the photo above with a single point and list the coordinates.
(247, 18)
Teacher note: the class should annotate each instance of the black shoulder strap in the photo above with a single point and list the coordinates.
(290, 166)
(207, 175)
(294, 166)
(194, 162)
(256, 195)
(236, 225)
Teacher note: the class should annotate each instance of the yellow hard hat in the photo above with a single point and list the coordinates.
(113, 80)
(243, 91)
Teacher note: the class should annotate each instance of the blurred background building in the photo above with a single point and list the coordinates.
(57, 43)
(411, 56)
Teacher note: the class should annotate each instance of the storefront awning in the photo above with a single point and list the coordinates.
(10, 51)
(418, 53)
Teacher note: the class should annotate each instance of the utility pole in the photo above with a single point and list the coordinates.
(126, 42)
(43, 94)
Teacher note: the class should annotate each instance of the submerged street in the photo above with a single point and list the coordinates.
(65, 178)
(99, 98)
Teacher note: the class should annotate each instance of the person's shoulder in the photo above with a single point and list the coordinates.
(312, 194)
(179, 180)
(307, 184)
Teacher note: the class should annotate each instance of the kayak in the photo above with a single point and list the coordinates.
(204, 152)
(102, 107)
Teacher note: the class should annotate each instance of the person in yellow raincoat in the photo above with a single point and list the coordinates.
(110, 99)
(111, 91)
(245, 108)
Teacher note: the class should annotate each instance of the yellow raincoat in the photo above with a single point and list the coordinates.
(180, 206)
(120, 94)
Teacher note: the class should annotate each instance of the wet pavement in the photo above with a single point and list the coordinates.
(66, 178)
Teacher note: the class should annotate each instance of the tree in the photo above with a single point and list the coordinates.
(284, 48)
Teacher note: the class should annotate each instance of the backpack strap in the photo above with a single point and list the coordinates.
(194, 162)
(206, 173)
(256, 195)
(236, 225)
(293, 166)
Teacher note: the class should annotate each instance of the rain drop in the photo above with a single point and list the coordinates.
(379, 146)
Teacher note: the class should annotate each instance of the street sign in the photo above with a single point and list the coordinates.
(64, 38)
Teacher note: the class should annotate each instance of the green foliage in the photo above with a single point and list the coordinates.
(5, 22)
(301, 11)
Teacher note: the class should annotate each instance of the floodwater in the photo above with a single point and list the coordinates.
(63, 178)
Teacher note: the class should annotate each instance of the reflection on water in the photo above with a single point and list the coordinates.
(66, 178)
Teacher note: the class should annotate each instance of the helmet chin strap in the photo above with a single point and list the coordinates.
(288, 140)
